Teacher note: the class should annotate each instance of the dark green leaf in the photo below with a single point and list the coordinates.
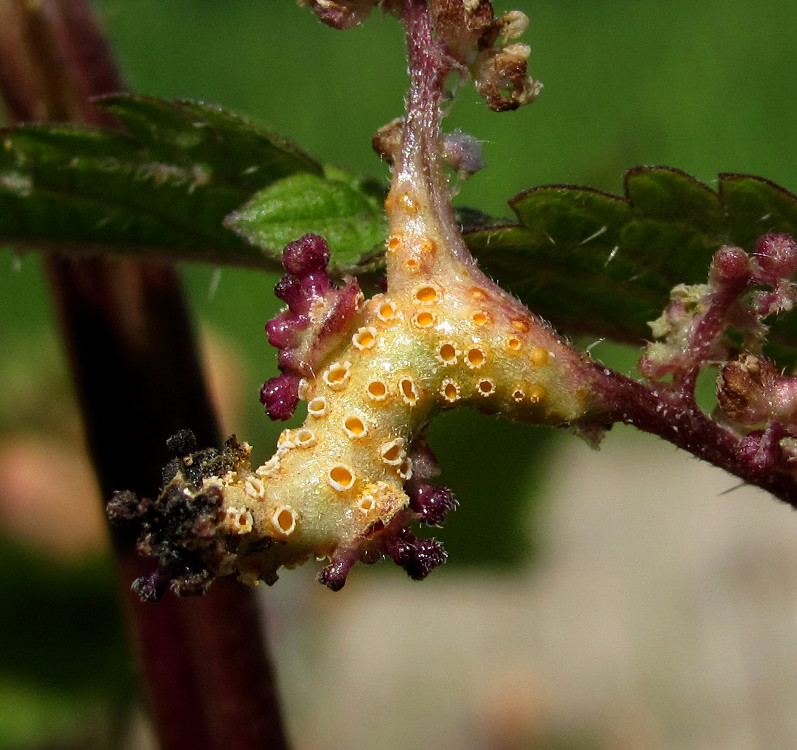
(589, 261)
(604, 265)
(162, 186)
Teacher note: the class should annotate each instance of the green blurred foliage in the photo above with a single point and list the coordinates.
(64, 661)
(707, 87)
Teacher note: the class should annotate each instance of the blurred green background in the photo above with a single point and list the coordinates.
(707, 87)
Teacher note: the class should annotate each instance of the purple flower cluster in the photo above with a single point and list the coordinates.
(417, 556)
(429, 504)
(317, 313)
(751, 390)
(432, 502)
(697, 318)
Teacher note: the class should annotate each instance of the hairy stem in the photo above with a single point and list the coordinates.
(420, 165)
(676, 417)
(668, 411)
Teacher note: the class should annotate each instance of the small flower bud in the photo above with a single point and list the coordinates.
(400, 545)
(418, 557)
(289, 290)
(280, 396)
(777, 257)
(306, 255)
(334, 575)
(759, 451)
(729, 263)
(428, 554)
(283, 329)
(433, 503)
(463, 153)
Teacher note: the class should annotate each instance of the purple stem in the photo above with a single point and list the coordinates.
(730, 276)
(674, 416)
(671, 413)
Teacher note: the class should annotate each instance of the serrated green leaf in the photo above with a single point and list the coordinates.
(237, 150)
(588, 261)
(336, 206)
(162, 187)
(604, 265)
(755, 206)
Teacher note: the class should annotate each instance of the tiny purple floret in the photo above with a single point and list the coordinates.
(429, 554)
(306, 255)
(399, 545)
(280, 396)
(418, 557)
(777, 257)
(432, 502)
(730, 263)
(282, 330)
(334, 575)
(289, 290)
(760, 450)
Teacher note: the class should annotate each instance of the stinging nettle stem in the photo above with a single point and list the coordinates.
(348, 485)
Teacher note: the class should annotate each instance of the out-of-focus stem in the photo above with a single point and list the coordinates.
(138, 378)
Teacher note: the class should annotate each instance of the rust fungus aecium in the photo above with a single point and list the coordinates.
(349, 483)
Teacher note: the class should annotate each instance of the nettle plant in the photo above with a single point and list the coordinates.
(372, 372)
(392, 315)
